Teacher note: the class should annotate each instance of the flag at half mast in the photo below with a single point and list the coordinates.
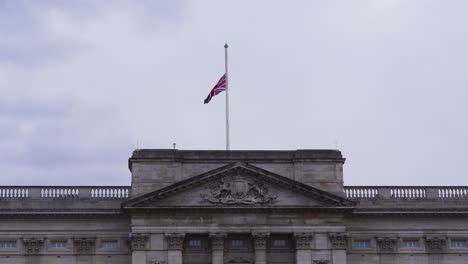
(219, 87)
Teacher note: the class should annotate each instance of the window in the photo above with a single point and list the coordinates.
(8, 244)
(58, 244)
(458, 243)
(362, 243)
(237, 243)
(109, 244)
(195, 243)
(279, 243)
(413, 243)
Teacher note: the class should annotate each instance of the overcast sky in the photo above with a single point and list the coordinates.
(84, 83)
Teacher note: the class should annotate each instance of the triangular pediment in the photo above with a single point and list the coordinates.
(238, 185)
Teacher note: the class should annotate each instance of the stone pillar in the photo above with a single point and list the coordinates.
(303, 250)
(138, 243)
(338, 243)
(138, 257)
(436, 247)
(174, 247)
(260, 244)
(217, 247)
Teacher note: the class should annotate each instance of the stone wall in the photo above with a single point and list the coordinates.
(154, 169)
(64, 239)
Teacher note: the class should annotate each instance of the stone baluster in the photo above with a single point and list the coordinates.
(217, 247)
(174, 247)
(303, 249)
(260, 243)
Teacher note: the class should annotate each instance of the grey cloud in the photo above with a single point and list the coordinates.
(384, 81)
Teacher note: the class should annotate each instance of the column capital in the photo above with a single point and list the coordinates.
(260, 240)
(436, 244)
(138, 241)
(174, 240)
(84, 245)
(217, 240)
(387, 244)
(338, 240)
(33, 245)
(303, 240)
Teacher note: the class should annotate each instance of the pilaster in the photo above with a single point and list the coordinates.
(303, 249)
(260, 244)
(338, 243)
(174, 247)
(217, 247)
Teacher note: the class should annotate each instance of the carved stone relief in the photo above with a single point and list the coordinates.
(32, 245)
(174, 241)
(338, 240)
(83, 245)
(217, 241)
(387, 244)
(303, 240)
(138, 241)
(260, 240)
(435, 244)
(238, 190)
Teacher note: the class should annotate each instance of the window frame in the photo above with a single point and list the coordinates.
(108, 242)
(405, 243)
(205, 243)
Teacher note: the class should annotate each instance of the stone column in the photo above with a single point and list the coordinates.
(174, 247)
(436, 247)
(138, 243)
(339, 243)
(217, 247)
(303, 250)
(260, 244)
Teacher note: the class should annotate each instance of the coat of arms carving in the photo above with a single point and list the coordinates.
(238, 190)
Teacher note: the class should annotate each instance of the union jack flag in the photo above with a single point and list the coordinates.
(219, 87)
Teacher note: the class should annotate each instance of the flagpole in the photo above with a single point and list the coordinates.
(227, 95)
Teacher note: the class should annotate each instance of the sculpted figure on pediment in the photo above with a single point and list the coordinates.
(238, 190)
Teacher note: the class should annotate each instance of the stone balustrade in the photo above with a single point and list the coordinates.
(65, 192)
(406, 192)
(122, 192)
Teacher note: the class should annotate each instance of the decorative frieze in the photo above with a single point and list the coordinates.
(174, 240)
(138, 241)
(387, 244)
(84, 245)
(32, 245)
(217, 241)
(436, 244)
(338, 240)
(260, 240)
(303, 240)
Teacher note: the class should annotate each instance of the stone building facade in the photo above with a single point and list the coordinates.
(198, 207)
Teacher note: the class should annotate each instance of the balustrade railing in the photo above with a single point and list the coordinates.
(406, 192)
(65, 192)
(123, 192)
